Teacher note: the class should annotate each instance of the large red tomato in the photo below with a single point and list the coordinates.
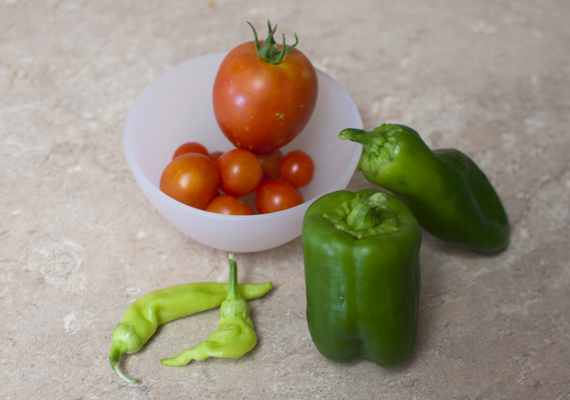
(262, 105)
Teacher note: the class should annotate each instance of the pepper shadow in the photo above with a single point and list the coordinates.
(435, 284)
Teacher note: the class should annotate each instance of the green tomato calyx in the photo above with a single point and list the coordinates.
(269, 51)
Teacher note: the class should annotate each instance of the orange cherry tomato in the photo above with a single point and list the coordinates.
(276, 195)
(190, 147)
(298, 168)
(214, 155)
(271, 164)
(192, 179)
(229, 205)
(240, 172)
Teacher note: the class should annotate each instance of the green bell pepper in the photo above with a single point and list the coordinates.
(362, 275)
(447, 192)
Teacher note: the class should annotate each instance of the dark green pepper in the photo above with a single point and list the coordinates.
(447, 192)
(362, 274)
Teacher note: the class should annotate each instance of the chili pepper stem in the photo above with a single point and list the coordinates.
(233, 293)
(374, 140)
(117, 349)
(122, 375)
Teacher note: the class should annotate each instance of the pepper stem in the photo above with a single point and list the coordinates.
(352, 134)
(233, 292)
(363, 216)
(114, 357)
(122, 375)
(269, 51)
(376, 137)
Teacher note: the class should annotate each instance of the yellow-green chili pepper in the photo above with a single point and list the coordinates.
(235, 335)
(154, 309)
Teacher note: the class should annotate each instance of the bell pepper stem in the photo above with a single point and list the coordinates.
(362, 216)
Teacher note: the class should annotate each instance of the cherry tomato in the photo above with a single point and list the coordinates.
(271, 164)
(229, 205)
(276, 195)
(298, 168)
(240, 172)
(192, 179)
(261, 106)
(190, 147)
(214, 155)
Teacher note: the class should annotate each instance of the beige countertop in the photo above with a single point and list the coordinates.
(79, 241)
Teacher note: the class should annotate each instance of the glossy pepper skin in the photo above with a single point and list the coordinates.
(145, 315)
(235, 335)
(447, 192)
(362, 275)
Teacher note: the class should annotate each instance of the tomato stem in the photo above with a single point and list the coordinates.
(269, 50)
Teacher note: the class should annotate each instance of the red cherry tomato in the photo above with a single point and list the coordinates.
(262, 106)
(214, 155)
(271, 164)
(276, 195)
(298, 168)
(192, 179)
(190, 147)
(240, 172)
(229, 205)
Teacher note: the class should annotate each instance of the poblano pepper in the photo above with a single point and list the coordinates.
(145, 315)
(235, 335)
(362, 274)
(447, 192)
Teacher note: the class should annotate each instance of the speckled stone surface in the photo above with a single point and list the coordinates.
(79, 241)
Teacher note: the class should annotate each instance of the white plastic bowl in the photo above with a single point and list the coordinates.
(177, 108)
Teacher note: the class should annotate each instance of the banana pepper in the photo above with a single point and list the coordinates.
(362, 274)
